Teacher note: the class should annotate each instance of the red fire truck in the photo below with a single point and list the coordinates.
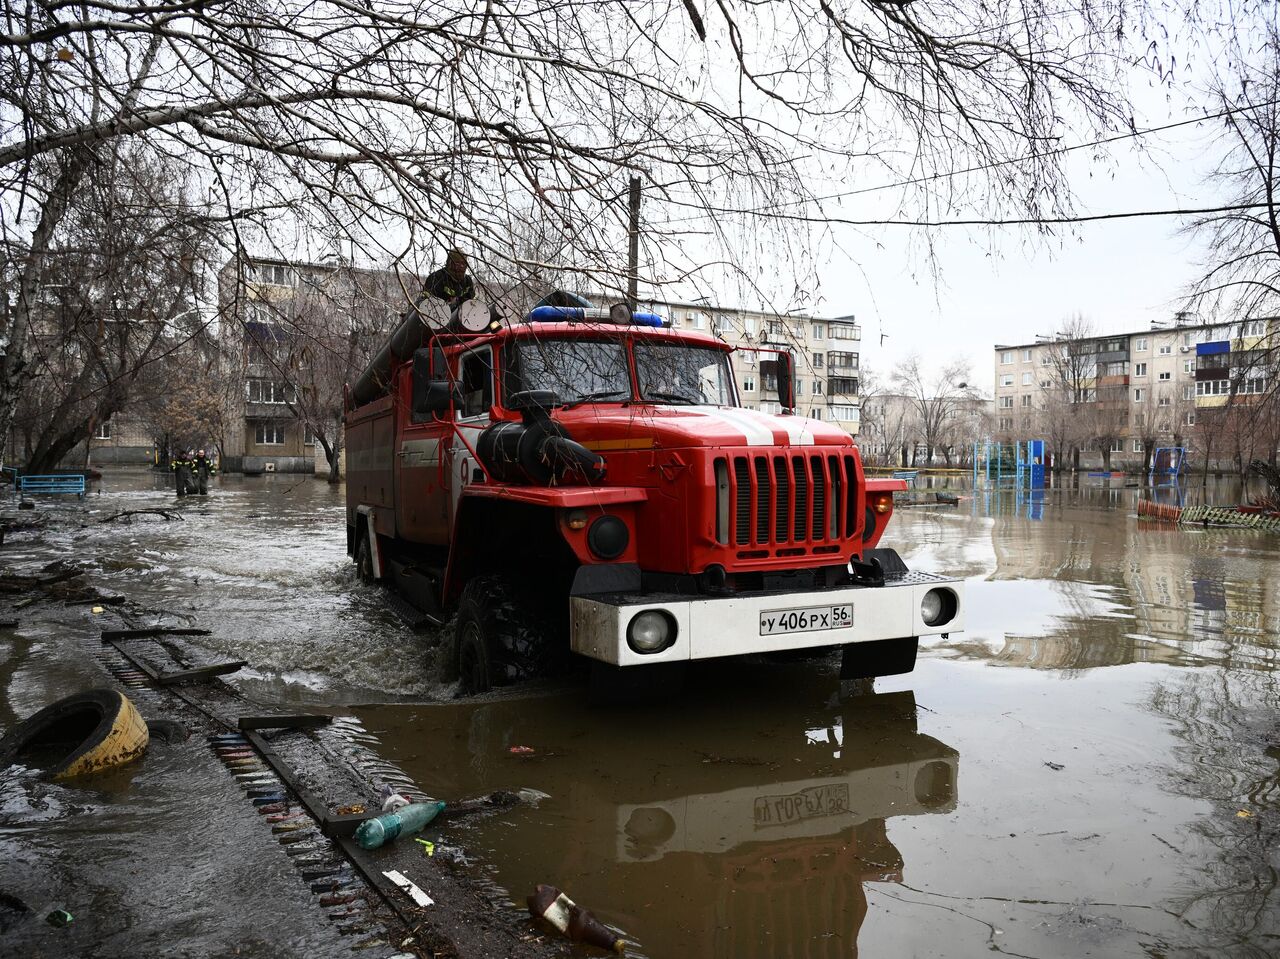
(587, 481)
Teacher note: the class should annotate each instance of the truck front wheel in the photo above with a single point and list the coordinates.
(499, 635)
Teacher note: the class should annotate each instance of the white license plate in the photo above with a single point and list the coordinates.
(805, 804)
(806, 619)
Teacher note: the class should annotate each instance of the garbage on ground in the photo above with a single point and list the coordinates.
(442, 852)
(373, 833)
(521, 750)
(417, 895)
(1056, 767)
(392, 800)
(351, 809)
(550, 904)
(59, 918)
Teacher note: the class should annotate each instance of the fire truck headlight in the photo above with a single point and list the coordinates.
(651, 631)
(608, 537)
(938, 607)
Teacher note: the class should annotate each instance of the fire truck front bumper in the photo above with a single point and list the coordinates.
(633, 629)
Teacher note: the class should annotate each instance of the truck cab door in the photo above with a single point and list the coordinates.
(476, 381)
(422, 483)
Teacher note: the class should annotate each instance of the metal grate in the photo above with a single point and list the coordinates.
(793, 499)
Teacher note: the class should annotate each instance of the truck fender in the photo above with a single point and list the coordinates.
(368, 527)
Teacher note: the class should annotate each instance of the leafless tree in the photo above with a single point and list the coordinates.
(120, 283)
(411, 124)
(937, 399)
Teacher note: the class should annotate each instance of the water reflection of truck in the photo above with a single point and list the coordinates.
(598, 477)
(704, 836)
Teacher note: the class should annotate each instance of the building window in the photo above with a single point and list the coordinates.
(1188, 366)
(1006, 379)
(1166, 349)
(1164, 401)
(1213, 387)
(817, 361)
(269, 434)
(1188, 392)
(1137, 446)
(1140, 344)
(817, 387)
(1191, 417)
(102, 431)
(842, 331)
(1188, 340)
(276, 273)
(308, 437)
(1253, 384)
(1117, 446)
(1139, 395)
(1164, 377)
(815, 413)
(842, 361)
(748, 384)
(1140, 369)
(1006, 402)
(1006, 423)
(1026, 399)
(818, 332)
(267, 391)
(845, 413)
(1006, 357)
(749, 325)
(1254, 328)
(1026, 356)
(1026, 379)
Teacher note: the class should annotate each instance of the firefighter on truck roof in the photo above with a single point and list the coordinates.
(451, 282)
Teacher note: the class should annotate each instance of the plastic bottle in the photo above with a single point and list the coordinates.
(380, 830)
(549, 903)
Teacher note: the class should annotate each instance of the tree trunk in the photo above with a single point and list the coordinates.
(1106, 457)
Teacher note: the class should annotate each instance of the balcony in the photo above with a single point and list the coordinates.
(842, 386)
(1106, 381)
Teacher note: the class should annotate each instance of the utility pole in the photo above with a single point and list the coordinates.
(633, 246)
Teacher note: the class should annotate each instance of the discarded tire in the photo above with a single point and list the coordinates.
(80, 734)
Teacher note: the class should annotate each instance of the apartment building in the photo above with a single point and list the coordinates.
(293, 335)
(1131, 391)
(826, 351)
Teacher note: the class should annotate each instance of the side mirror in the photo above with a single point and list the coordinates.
(430, 397)
(533, 401)
(786, 382)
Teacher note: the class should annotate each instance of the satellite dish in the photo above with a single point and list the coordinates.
(473, 316)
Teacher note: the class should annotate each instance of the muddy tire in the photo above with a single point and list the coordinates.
(499, 637)
(84, 733)
(364, 557)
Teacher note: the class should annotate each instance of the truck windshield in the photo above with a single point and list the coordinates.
(576, 370)
(680, 374)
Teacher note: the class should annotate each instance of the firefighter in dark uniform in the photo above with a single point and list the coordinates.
(451, 282)
(203, 468)
(181, 466)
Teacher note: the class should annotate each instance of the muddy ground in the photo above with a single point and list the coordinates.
(1090, 769)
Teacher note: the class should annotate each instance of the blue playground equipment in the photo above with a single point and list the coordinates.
(1169, 461)
(52, 483)
(1018, 465)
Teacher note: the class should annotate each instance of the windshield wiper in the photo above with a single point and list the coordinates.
(673, 397)
(602, 395)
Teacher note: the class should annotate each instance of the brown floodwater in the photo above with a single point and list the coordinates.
(1090, 769)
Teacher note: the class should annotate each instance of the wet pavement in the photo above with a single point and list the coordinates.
(1091, 769)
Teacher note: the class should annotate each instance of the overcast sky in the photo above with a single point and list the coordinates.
(1006, 287)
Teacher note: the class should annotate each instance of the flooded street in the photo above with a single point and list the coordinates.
(1091, 769)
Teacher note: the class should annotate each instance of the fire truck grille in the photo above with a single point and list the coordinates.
(793, 500)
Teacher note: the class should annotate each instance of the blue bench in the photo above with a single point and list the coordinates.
(905, 474)
(53, 483)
